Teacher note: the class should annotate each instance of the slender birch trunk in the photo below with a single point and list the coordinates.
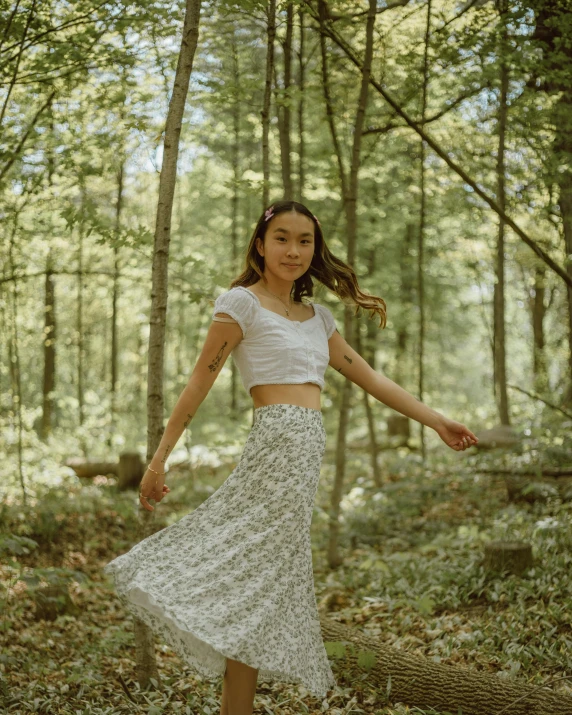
(236, 172)
(146, 664)
(15, 372)
(403, 361)
(114, 300)
(421, 234)
(368, 353)
(284, 121)
(159, 290)
(49, 340)
(301, 85)
(499, 341)
(79, 313)
(350, 193)
(265, 114)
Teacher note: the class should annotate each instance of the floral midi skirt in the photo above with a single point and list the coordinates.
(234, 578)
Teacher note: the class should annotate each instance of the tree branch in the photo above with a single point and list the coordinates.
(343, 45)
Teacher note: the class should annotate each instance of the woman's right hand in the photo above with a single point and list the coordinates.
(152, 487)
(455, 434)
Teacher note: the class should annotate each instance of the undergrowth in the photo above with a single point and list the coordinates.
(412, 577)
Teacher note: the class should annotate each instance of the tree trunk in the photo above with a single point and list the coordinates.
(159, 292)
(4, 330)
(421, 683)
(553, 28)
(301, 85)
(406, 294)
(350, 194)
(141, 375)
(79, 317)
(499, 341)
(421, 236)
(49, 382)
(538, 311)
(563, 148)
(565, 183)
(284, 120)
(15, 373)
(368, 353)
(265, 114)
(334, 557)
(114, 299)
(235, 197)
(552, 37)
(373, 446)
(507, 557)
(159, 295)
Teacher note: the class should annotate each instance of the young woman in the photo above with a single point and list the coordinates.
(230, 586)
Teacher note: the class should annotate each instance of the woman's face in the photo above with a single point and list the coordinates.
(288, 245)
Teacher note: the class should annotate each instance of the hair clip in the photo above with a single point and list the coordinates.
(316, 220)
(269, 213)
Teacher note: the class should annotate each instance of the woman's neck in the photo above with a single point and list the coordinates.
(277, 287)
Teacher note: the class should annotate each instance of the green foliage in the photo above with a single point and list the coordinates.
(82, 131)
(11, 544)
(428, 583)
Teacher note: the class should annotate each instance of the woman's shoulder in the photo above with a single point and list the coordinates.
(327, 317)
(240, 293)
(239, 303)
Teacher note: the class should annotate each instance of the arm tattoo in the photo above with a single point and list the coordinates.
(167, 448)
(186, 422)
(215, 363)
(339, 369)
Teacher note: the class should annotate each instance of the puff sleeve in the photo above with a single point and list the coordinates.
(238, 304)
(328, 320)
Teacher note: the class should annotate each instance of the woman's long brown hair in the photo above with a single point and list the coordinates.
(325, 267)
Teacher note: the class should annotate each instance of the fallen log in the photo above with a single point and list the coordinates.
(129, 469)
(499, 436)
(419, 682)
(530, 488)
(547, 472)
(88, 470)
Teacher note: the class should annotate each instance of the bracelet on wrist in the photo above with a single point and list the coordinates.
(161, 474)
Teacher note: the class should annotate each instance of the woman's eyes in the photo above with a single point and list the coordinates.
(281, 238)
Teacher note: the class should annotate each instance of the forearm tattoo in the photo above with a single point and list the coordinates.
(186, 422)
(216, 362)
(167, 448)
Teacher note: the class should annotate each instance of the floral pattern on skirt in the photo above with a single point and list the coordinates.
(234, 578)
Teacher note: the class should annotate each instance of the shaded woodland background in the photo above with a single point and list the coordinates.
(433, 140)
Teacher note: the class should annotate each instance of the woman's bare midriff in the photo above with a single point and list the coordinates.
(304, 395)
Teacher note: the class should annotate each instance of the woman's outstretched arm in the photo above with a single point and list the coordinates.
(348, 362)
(219, 342)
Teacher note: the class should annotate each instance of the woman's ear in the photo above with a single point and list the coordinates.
(259, 243)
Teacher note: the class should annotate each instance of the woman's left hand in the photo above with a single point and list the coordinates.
(455, 435)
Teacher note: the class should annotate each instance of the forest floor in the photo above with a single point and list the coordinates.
(412, 577)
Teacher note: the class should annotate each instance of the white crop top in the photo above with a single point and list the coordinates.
(275, 350)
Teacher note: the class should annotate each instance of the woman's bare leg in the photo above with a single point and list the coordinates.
(238, 688)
